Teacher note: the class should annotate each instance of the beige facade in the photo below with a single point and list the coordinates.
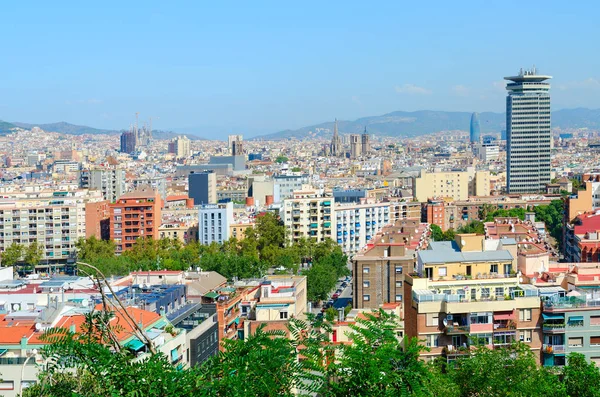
(309, 215)
(458, 185)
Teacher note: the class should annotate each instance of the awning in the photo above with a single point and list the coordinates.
(504, 316)
(135, 345)
(552, 316)
(575, 318)
(211, 295)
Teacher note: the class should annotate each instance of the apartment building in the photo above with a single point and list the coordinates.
(380, 268)
(56, 220)
(135, 214)
(582, 241)
(404, 209)
(458, 185)
(357, 223)
(309, 215)
(280, 299)
(460, 290)
(214, 222)
(288, 184)
(110, 181)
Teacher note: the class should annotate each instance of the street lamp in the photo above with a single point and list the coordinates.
(33, 353)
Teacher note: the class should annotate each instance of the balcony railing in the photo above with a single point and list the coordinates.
(553, 349)
(549, 327)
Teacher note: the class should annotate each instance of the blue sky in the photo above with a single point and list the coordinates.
(214, 68)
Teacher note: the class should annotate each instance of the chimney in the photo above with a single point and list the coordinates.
(341, 314)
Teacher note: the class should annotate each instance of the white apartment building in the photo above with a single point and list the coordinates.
(109, 181)
(310, 214)
(214, 221)
(357, 223)
(56, 222)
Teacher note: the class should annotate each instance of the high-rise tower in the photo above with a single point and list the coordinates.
(528, 132)
(355, 148)
(336, 143)
(475, 134)
(365, 143)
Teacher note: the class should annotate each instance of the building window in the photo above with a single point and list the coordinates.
(525, 315)
(366, 297)
(442, 271)
(433, 319)
(432, 340)
(283, 315)
(398, 298)
(398, 284)
(366, 284)
(398, 269)
(499, 292)
(366, 270)
(595, 320)
(526, 335)
(493, 268)
(576, 341)
(594, 340)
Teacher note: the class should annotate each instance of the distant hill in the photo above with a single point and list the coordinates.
(5, 127)
(73, 129)
(408, 124)
(66, 128)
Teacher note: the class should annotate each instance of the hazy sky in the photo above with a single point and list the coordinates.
(259, 67)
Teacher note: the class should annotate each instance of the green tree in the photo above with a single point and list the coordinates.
(474, 226)
(91, 249)
(264, 364)
(33, 255)
(511, 371)
(281, 159)
(436, 233)
(376, 364)
(12, 254)
(320, 280)
(449, 235)
(581, 378)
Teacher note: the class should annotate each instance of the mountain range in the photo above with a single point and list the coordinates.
(395, 124)
(408, 124)
(73, 129)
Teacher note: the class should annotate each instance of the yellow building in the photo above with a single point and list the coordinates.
(238, 230)
(458, 185)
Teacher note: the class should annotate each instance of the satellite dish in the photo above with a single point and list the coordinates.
(445, 322)
(520, 279)
(38, 326)
(463, 242)
(51, 289)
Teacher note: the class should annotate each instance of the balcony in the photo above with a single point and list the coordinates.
(553, 349)
(554, 328)
(452, 329)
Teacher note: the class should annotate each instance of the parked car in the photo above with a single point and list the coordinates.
(344, 284)
(335, 296)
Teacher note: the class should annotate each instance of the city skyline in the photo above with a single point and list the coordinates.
(249, 70)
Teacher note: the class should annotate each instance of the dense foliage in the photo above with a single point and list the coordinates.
(264, 246)
(553, 216)
(304, 361)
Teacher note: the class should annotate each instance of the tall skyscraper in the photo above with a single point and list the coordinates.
(475, 128)
(336, 143)
(128, 142)
(528, 132)
(365, 143)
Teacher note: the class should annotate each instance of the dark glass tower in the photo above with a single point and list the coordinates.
(475, 128)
